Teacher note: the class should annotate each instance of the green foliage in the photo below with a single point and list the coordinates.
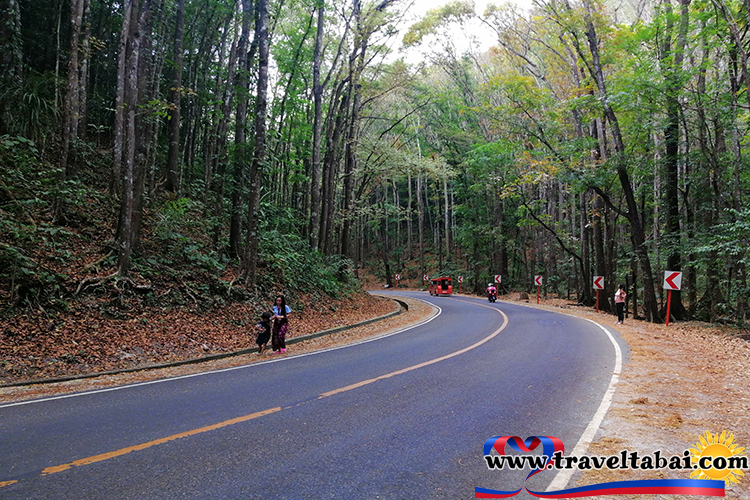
(437, 18)
(729, 239)
(30, 283)
(181, 229)
(291, 263)
(28, 106)
(23, 184)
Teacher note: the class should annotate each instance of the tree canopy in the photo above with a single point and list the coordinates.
(276, 135)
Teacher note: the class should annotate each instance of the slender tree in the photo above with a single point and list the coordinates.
(259, 158)
(175, 95)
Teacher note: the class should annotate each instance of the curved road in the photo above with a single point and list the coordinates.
(400, 417)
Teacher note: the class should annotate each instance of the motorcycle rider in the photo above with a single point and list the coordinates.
(491, 291)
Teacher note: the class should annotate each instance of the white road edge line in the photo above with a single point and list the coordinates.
(242, 367)
(563, 476)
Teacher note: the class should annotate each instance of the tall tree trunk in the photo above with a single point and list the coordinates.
(317, 129)
(175, 92)
(337, 121)
(118, 132)
(447, 217)
(672, 60)
(599, 258)
(259, 158)
(385, 245)
(356, 66)
(218, 161)
(420, 226)
(72, 106)
(11, 57)
(149, 69)
(638, 235)
(128, 224)
(11, 47)
(585, 236)
(240, 155)
(84, 70)
(409, 222)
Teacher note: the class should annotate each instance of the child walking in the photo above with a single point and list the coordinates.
(264, 332)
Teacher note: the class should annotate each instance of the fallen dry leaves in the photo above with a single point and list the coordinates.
(36, 346)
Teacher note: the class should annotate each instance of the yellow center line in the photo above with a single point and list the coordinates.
(245, 418)
(422, 365)
(143, 446)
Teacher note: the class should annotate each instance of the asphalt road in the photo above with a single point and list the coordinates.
(400, 417)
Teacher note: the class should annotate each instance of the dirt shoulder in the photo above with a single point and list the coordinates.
(678, 382)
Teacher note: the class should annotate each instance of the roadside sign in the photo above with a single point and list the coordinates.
(460, 279)
(538, 282)
(672, 280)
(398, 277)
(598, 285)
(425, 278)
(498, 278)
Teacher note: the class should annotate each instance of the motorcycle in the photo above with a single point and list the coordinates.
(492, 296)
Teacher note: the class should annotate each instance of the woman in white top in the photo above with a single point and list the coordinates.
(280, 324)
(620, 303)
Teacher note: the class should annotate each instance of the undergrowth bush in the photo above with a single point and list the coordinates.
(290, 260)
(182, 231)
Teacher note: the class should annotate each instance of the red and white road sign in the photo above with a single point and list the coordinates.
(498, 278)
(460, 279)
(598, 282)
(538, 280)
(672, 280)
(398, 277)
(425, 277)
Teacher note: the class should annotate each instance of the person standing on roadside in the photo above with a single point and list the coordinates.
(620, 303)
(280, 324)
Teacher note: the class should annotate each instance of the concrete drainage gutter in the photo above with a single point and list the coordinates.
(403, 306)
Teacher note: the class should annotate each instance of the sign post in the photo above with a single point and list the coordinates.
(460, 280)
(398, 277)
(498, 280)
(598, 285)
(538, 282)
(424, 279)
(672, 281)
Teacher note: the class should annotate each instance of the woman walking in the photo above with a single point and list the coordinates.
(280, 324)
(620, 303)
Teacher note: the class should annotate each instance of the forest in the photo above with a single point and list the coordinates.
(293, 142)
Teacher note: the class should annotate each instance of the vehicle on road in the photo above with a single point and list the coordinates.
(441, 286)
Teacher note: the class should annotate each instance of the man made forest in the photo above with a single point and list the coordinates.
(228, 149)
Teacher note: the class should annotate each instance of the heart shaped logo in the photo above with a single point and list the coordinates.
(550, 445)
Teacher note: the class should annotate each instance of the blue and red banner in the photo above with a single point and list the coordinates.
(551, 445)
(699, 487)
